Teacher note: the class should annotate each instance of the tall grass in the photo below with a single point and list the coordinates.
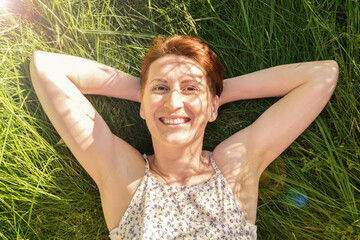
(45, 194)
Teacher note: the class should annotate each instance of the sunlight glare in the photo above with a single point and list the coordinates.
(3, 3)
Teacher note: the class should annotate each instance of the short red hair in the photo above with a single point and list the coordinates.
(190, 47)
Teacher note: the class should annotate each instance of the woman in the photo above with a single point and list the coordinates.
(182, 191)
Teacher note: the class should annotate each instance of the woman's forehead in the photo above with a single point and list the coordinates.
(174, 66)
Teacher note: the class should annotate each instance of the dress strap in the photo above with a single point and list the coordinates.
(213, 163)
(147, 163)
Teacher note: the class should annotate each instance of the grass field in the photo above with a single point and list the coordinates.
(45, 194)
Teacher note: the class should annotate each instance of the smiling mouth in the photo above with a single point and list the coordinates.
(174, 121)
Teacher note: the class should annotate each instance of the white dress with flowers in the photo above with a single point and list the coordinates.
(203, 211)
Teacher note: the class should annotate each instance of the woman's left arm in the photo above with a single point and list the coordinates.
(306, 88)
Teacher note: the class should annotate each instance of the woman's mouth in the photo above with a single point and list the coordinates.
(174, 121)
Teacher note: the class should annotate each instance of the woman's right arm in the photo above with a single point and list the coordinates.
(60, 82)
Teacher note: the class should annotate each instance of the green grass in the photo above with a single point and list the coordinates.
(45, 194)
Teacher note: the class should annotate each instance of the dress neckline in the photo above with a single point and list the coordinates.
(182, 187)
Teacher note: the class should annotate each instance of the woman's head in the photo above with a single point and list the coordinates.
(181, 81)
(189, 47)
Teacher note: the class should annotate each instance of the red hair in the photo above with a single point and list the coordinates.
(190, 47)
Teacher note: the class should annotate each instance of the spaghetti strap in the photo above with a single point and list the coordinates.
(147, 163)
(145, 157)
(217, 170)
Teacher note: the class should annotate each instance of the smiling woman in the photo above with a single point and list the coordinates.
(178, 100)
(182, 190)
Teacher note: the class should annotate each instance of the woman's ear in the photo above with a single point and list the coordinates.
(214, 108)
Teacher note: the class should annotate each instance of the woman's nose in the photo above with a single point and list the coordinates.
(173, 99)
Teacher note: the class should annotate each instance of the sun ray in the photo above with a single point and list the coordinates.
(3, 3)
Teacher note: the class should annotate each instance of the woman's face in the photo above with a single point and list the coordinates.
(176, 102)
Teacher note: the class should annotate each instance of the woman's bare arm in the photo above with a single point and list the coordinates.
(305, 87)
(60, 82)
(91, 77)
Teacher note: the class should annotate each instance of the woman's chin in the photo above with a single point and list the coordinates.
(177, 139)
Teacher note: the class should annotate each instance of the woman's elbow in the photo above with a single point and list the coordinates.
(35, 62)
(329, 76)
(34, 65)
(332, 71)
(42, 63)
(326, 74)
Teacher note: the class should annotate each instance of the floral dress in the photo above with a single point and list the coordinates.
(203, 211)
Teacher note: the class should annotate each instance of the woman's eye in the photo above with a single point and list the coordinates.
(159, 89)
(189, 89)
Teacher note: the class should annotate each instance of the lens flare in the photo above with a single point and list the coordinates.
(3, 3)
(272, 179)
(297, 197)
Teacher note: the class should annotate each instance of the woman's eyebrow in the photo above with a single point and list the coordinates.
(158, 80)
(192, 81)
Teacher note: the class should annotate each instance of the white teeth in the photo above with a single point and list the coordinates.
(173, 120)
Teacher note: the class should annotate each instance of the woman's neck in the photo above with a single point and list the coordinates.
(179, 164)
